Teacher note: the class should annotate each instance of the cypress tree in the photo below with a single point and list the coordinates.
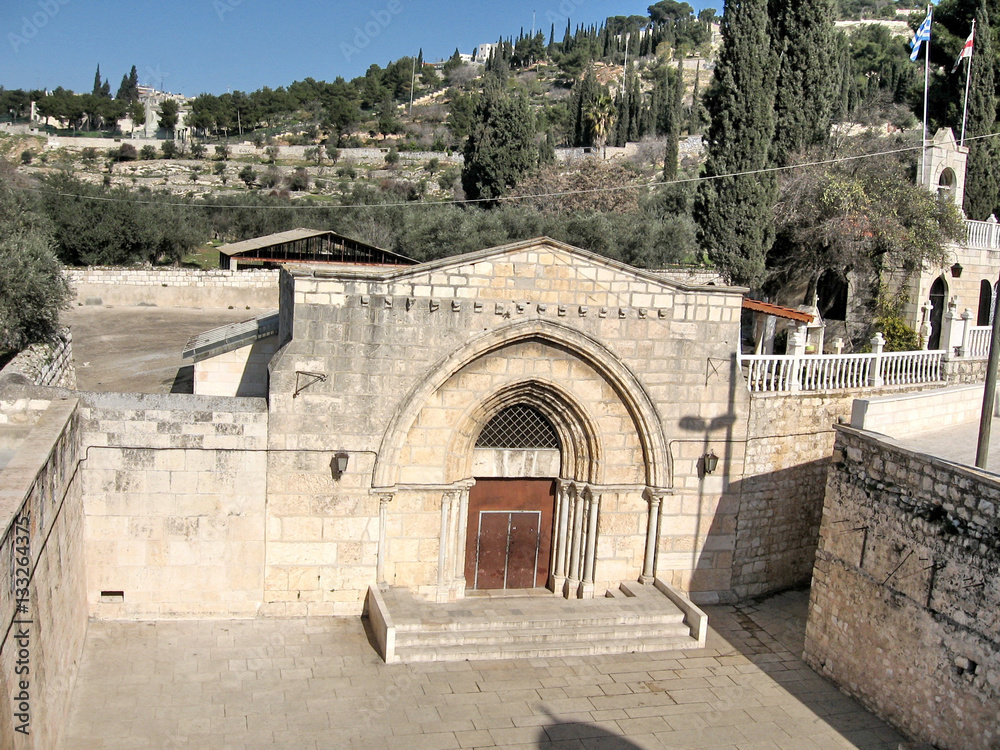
(735, 226)
(501, 148)
(97, 82)
(674, 125)
(982, 191)
(802, 39)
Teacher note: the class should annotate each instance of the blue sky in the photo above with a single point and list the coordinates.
(195, 46)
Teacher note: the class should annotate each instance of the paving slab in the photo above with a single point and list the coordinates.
(217, 684)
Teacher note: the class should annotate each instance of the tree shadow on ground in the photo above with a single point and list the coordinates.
(579, 735)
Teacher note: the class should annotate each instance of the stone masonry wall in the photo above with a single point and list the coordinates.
(374, 339)
(905, 604)
(174, 490)
(48, 364)
(42, 552)
(789, 444)
(174, 287)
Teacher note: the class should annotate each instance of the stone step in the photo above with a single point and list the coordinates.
(536, 622)
(548, 650)
(567, 634)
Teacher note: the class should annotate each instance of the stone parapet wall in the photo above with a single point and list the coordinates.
(907, 414)
(174, 287)
(905, 604)
(41, 551)
(174, 491)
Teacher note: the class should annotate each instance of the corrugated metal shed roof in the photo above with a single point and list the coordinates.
(259, 243)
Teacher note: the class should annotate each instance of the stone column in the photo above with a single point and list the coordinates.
(573, 562)
(797, 349)
(384, 498)
(655, 500)
(446, 544)
(461, 539)
(590, 555)
(557, 569)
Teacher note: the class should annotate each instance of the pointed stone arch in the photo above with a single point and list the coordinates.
(580, 448)
(626, 385)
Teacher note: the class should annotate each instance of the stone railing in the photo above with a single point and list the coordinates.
(983, 234)
(791, 373)
(978, 342)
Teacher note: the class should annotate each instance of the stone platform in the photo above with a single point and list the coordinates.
(634, 618)
(319, 685)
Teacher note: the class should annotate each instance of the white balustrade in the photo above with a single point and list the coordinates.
(982, 234)
(827, 372)
(978, 344)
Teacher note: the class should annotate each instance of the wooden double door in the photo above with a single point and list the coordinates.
(509, 533)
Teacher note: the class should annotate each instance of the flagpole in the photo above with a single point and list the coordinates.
(968, 79)
(927, 77)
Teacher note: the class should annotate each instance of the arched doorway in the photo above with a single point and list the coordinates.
(509, 532)
(985, 316)
(939, 293)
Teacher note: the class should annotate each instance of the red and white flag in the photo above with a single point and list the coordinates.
(966, 50)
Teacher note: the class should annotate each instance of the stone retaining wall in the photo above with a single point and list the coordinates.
(789, 444)
(905, 604)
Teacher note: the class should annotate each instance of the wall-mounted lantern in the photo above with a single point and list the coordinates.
(338, 464)
(710, 462)
(956, 271)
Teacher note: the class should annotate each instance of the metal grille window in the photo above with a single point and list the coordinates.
(518, 426)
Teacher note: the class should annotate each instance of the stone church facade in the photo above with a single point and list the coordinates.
(526, 416)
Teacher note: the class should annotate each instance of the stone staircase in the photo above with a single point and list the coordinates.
(634, 618)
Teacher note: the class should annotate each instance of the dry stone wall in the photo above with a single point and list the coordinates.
(905, 604)
(48, 364)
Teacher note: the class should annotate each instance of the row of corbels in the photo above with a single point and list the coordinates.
(504, 308)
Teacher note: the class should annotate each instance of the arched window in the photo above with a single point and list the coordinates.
(946, 185)
(985, 303)
(518, 427)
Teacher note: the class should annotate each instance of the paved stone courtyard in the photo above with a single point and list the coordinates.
(316, 684)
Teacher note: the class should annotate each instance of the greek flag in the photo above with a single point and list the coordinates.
(923, 35)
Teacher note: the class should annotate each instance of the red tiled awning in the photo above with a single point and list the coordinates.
(777, 310)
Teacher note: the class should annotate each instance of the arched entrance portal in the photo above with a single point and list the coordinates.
(512, 504)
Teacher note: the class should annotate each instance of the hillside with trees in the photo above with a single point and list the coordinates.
(482, 156)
